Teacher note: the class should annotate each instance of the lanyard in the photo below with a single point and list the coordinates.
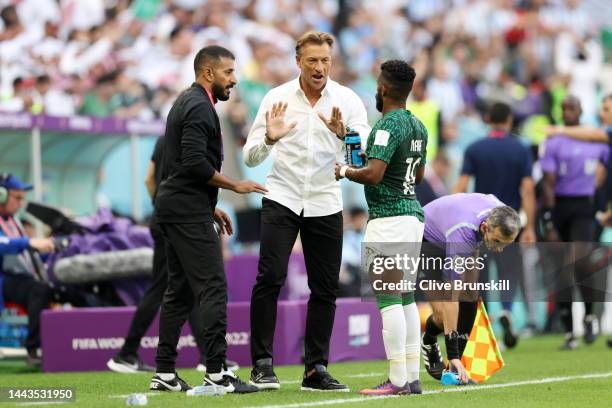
(10, 228)
(212, 102)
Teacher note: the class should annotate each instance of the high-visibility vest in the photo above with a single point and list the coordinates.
(428, 112)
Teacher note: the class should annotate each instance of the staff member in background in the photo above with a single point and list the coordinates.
(502, 166)
(600, 135)
(428, 112)
(20, 267)
(304, 198)
(569, 167)
(185, 209)
(127, 360)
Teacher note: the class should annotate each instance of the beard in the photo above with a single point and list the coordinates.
(220, 93)
(379, 102)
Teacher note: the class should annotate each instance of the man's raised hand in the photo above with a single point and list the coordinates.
(335, 123)
(276, 128)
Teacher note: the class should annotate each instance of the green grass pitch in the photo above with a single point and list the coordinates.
(536, 374)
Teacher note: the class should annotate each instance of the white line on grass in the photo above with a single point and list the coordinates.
(148, 394)
(26, 404)
(446, 390)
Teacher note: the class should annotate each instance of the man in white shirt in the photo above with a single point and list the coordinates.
(303, 198)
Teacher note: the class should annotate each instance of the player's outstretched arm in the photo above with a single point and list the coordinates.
(238, 186)
(371, 174)
(589, 134)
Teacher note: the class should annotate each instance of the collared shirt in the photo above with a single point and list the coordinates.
(455, 220)
(574, 163)
(302, 176)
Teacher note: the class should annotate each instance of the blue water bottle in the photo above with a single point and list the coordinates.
(352, 140)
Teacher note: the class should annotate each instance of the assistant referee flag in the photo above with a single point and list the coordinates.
(482, 357)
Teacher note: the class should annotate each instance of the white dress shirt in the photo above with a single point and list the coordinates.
(302, 176)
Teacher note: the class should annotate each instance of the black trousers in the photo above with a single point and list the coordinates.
(574, 220)
(34, 296)
(322, 245)
(195, 276)
(152, 299)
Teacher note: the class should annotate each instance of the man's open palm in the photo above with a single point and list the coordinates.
(276, 128)
(335, 123)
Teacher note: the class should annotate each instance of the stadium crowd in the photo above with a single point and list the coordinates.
(129, 59)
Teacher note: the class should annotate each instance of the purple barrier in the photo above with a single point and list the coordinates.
(241, 272)
(80, 124)
(84, 339)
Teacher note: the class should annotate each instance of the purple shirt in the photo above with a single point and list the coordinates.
(455, 220)
(574, 164)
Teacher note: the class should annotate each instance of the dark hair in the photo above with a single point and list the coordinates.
(400, 76)
(608, 96)
(43, 79)
(210, 53)
(175, 32)
(107, 78)
(9, 16)
(357, 211)
(499, 113)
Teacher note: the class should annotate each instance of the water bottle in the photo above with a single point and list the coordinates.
(352, 140)
(136, 400)
(206, 390)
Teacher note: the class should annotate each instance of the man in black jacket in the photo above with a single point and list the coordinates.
(185, 209)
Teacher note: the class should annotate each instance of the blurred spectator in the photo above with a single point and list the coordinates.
(428, 112)
(131, 58)
(350, 271)
(433, 185)
(98, 102)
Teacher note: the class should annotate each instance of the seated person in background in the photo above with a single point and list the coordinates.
(21, 270)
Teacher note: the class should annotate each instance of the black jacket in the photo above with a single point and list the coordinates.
(192, 153)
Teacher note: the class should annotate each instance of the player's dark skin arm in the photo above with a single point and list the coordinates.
(548, 190)
(373, 173)
(548, 202)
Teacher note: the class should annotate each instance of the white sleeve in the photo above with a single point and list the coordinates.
(357, 118)
(255, 151)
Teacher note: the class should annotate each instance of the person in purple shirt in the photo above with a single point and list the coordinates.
(457, 225)
(602, 134)
(570, 166)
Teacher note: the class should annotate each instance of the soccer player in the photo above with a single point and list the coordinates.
(456, 225)
(569, 167)
(396, 151)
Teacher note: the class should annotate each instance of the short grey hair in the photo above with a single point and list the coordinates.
(506, 219)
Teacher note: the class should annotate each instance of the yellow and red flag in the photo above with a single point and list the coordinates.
(482, 357)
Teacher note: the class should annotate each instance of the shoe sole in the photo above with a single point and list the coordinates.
(265, 386)
(120, 368)
(318, 390)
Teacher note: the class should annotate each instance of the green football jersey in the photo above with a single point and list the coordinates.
(400, 140)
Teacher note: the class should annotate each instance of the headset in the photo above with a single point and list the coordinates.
(3, 190)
